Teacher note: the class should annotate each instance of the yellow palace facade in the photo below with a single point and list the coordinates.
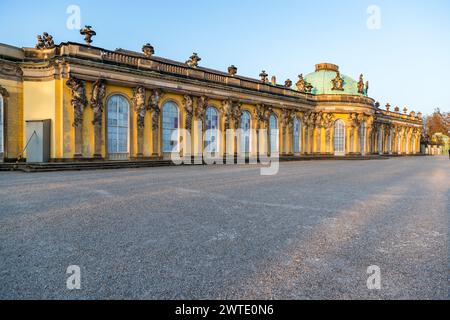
(119, 105)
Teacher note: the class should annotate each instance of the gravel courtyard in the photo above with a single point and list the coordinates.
(220, 232)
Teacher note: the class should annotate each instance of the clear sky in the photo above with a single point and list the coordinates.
(407, 60)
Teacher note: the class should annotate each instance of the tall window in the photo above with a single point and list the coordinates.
(118, 123)
(362, 135)
(339, 137)
(170, 122)
(245, 133)
(296, 135)
(380, 141)
(212, 130)
(1, 127)
(273, 134)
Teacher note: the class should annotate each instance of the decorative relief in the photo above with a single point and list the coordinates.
(188, 103)
(193, 60)
(327, 120)
(227, 106)
(237, 114)
(88, 33)
(267, 113)
(97, 96)
(338, 82)
(327, 123)
(355, 120)
(292, 117)
(285, 118)
(153, 105)
(259, 115)
(309, 119)
(45, 41)
(202, 105)
(78, 101)
(139, 106)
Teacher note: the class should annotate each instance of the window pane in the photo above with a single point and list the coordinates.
(273, 134)
(245, 133)
(170, 125)
(212, 126)
(117, 122)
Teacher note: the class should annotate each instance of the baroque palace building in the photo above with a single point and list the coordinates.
(118, 105)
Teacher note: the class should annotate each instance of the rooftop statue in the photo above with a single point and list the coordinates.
(45, 41)
(338, 82)
(193, 60)
(303, 85)
(361, 84)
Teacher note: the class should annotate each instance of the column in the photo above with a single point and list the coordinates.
(318, 139)
(155, 132)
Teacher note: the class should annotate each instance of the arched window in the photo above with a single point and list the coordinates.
(339, 138)
(212, 130)
(274, 148)
(245, 133)
(1, 127)
(362, 135)
(170, 124)
(296, 135)
(118, 110)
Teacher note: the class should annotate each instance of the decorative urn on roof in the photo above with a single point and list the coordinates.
(288, 83)
(263, 75)
(88, 33)
(232, 70)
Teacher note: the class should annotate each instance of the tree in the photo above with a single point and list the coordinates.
(438, 122)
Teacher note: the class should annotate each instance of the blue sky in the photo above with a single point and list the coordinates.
(407, 61)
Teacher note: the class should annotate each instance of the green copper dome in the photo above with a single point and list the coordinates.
(322, 81)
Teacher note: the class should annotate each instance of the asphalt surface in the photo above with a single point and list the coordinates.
(220, 232)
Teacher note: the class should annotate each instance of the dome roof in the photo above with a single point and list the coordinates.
(322, 81)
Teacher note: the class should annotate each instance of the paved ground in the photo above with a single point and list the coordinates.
(227, 232)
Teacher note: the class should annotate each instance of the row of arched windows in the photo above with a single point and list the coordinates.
(118, 110)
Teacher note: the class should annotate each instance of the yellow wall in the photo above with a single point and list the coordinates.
(39, 102)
